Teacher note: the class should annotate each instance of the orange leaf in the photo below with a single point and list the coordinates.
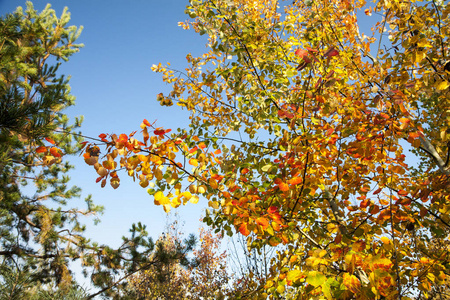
(243, 229)
(284, 187)
(193, 150)
(374, 209)
(217, 152)
(402, 193)
(50, 140)
(365, 189)
(295, 181)
(41, 149)
(202, 145)
(263, 222)
(55, 152)
(123, 138)
(364, 203)
(146, 122)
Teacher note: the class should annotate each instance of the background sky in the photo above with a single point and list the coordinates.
(115, 90)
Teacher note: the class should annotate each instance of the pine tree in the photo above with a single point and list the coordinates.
(37, 229)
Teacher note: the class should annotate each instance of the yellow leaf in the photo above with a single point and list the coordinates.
(214, 204)
(385, 240)
(193, 162)
(175, 202)
(158, 174)
(194, 199)
(202, 189)
(295, 275)
(213, 183)
(167, 208)
(144, 183)
(158, 196)
(187, 195)
(115, 182)
(443, 85)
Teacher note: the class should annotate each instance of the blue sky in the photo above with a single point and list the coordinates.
(116, 90)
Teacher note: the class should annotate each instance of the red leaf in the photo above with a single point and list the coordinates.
(331, 52)
(102, 136)
(98, 179)
(301, 53)
(307, 60)
(377, 191)
(159, 132)
(146, 122)
(311, 50)
(50, 140)
(272, 209)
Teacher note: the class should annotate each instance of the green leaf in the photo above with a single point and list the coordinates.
(315, 278)
(326, 288)
(266, 168)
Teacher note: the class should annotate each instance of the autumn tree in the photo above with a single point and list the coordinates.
(209, 277)
(249, 266)
(300, 128)
(198, 273)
